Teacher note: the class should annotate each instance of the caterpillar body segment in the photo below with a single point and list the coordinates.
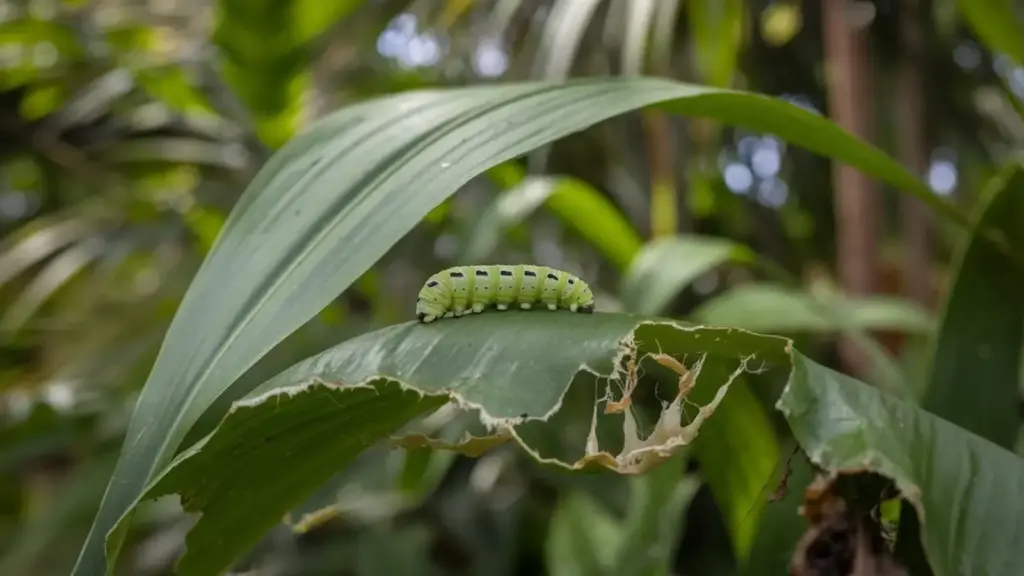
(464, 290)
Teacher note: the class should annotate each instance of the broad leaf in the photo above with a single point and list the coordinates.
(976, 367)
(334, 200)
(967, 491)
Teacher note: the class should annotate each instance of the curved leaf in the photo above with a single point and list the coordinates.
(575, 202)
(968, 492)
(52, 278)
(38, 244)
(334, 200)
(667, 265)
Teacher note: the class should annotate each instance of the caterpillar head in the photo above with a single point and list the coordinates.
(429, 308)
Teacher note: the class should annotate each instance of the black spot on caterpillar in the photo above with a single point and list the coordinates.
(472, 289)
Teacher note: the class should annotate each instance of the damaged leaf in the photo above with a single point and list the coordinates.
(271, 452)
(509, 371)
(968, 492)
(842, 537)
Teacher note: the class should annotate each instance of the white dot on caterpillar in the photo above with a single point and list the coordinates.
(525, 306)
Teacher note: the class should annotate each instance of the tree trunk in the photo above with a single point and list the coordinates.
(857, 208)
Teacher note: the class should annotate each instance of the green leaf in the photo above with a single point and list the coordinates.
(561, 37)
(998, 24)
(313, 17)
(37, 241)
(54, 276)
(268, 48)
(975, 374)
(658, 499)
(579, 206)
(353, 185)
(738, 451)
(31, 32)
(282, 445)
(773, 308)
(665, 266)
(968, 492)
(584, 538)
(290, 435)
(717, 30)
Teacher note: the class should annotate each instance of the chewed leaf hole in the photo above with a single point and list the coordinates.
(642, 413)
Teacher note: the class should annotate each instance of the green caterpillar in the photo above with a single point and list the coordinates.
(471, 289)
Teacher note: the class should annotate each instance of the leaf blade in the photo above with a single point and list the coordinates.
(982, 334)
(967, 490)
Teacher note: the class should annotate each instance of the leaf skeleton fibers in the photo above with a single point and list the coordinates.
(472, 289)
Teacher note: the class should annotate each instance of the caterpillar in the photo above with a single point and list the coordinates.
(472, 289)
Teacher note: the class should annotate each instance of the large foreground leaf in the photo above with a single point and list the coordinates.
(968, 492)
(977, 358)
(293, 433)
(334, 200)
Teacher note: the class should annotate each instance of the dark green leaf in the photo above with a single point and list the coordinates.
(976, 367)
(968, 492)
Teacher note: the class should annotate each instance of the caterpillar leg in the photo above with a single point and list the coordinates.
(459, 312)
(427, 318)
(478, 307)
(552, 307)
(448, 314)
(525, 305)
(502, 306)
(573, 307)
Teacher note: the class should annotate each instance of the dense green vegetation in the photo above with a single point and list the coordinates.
(215, 218)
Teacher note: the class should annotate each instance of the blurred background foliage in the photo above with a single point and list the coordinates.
(129, 128)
